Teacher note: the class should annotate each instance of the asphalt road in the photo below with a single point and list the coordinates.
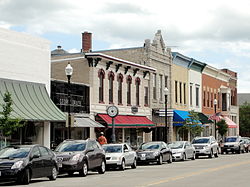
(226, 171)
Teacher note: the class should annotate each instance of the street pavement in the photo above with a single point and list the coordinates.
(226, 171)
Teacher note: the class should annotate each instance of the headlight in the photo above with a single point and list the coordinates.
(156, 153)
(206, 147)
(17, 165)
(76, 157)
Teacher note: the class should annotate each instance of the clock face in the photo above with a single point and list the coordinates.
(112, 111)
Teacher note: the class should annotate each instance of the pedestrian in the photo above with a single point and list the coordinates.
(102, 140)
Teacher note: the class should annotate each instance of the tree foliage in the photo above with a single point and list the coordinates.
(8, 125)
(222, 127)
(245, 119)
(191, 124)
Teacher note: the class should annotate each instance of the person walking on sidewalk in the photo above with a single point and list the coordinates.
(102, 140)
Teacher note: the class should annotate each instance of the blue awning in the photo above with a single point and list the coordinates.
(180, 116)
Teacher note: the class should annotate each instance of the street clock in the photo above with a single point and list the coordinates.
(112, 111)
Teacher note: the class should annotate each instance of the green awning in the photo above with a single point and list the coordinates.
(203, 118)
(30, 101)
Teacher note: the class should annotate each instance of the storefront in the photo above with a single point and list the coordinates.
(31, 104)
(128, 128)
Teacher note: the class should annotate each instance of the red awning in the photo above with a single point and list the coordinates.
(229, 122)
(127, 121)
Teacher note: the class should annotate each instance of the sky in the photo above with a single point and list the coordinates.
(216, 32)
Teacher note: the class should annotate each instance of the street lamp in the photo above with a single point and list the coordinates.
(215, 104)
(166, 114)
(69, 72)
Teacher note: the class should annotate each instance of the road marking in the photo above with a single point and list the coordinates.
(196, 173)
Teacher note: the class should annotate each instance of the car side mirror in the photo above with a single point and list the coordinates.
(125, 150)
(35, 156)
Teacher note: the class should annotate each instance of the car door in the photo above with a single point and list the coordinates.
(47, 161)
(189, 150)
(165, 151)
(98, 151)
(36, 163)
(90, 153)
(132, 154)
(127, 155)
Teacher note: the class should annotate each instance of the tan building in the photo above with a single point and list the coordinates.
(112, 81)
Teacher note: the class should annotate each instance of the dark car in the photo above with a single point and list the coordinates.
(154, 152)
(24, 162)
(80, 156)
(232, 144)
(246, 143)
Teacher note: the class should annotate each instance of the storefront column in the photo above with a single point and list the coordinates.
(147, 137)
(92, 134)
(46, 134)
(123, 135)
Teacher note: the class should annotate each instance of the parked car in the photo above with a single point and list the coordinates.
(80, 156)
(154, 152)
(182, 150)
(120, 155)
(206, 146)
(246, 143)
(21, 163)
(232, 144)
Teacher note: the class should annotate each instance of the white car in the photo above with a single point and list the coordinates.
(120, 155)
(182, 150)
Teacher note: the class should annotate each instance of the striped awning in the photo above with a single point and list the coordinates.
(30, 101)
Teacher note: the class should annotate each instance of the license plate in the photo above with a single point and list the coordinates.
(143, 158)
(59, 165)
(228, 149)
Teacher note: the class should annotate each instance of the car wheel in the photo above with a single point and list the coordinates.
(183, 157)
(196, 156)
(53, 175)
(102, 168)
(133, 166)
(193, 158)
(84, 171)
(122, 166)
(25, 177)
(211, 154)
(170, 159)
(239, 151)
(160, 160)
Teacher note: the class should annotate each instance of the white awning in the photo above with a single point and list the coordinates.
(85, 122)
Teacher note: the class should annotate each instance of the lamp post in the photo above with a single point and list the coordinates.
(69, 72)
(215, 104)
(166, 114)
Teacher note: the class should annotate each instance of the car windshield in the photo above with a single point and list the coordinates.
(231, 139)
(176, 145)
(150, 145)
(200, 140)
(14, 152)
(71, 146)
(112, 148)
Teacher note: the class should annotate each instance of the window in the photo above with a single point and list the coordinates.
(129, 82)
(166, 81)
(204, 98)
(120, 80)
(191, 94)
(101, 75)
(197, 96)
(218, 100)
(208, 100)
(137, 90)
(184, 93)
(154, 86)
(111, 86)
(212, 101)
(44, 151)
(176, 91)
(146, 96)
(180, 92)
(161, 87)
(35, 151)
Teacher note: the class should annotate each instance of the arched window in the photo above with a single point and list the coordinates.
(120, 80)
(129, 82)
(137, 90)
(111, 77)
(101, 75)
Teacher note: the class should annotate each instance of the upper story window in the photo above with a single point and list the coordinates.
(180, 89)
(197, 93)
(129, 82)
(212, 100)
(154, 85)
(166, 81)
(191, 94)
(161, 87)
(111, 86)
(176, 91)
(101, 75)
(184, 93)
(137, 90)
(204, 98)
(120, 80)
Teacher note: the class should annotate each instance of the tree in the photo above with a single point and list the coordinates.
(245, 119)
(191, 124)
(222, 127)
(8, 125)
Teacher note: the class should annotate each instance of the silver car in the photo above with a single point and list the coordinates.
(182, 150)
(120, 155)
